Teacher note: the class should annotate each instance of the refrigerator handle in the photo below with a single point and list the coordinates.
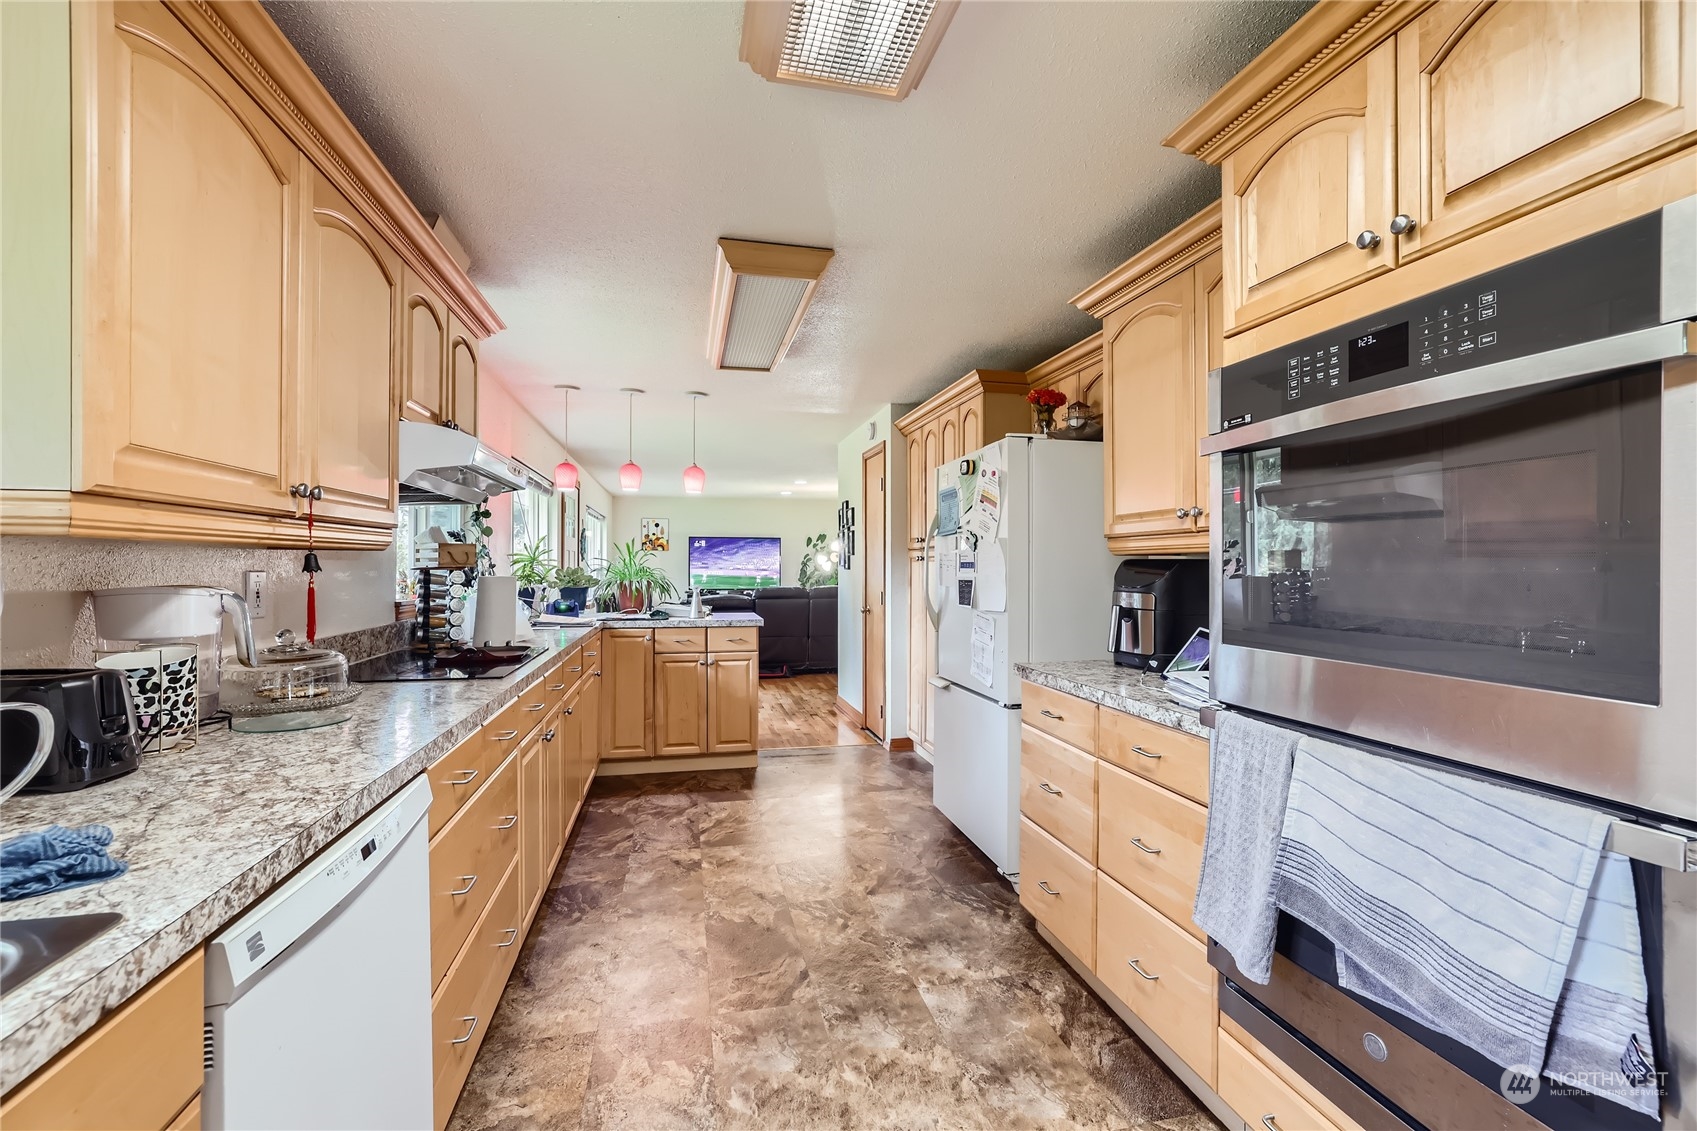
(939, 683)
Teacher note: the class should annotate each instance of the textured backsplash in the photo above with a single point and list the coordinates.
(47, 618)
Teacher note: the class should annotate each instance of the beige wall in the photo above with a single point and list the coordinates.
(851, 661)
(793, 520)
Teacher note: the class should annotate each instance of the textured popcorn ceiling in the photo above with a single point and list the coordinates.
(589, 154)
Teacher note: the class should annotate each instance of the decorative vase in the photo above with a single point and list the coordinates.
(1045, 418)
(631, 598)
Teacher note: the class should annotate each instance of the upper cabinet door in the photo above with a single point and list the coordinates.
(948, 440)
(972, 425)
(931, 456)
(424, 325)
(190, 371)
(1520, 104)
(1150, 459)
(1210, 348)
(462, 376)
(916, 490)
(1301, 193)
(353, 289)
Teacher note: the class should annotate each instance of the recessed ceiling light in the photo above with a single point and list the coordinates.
(801, 482)
(760, 292)
(786, 492)
(876, 47)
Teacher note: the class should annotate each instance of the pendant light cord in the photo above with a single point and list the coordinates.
(630, 428)
(693, 402)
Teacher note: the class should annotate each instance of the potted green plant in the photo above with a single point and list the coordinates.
(818, 563)
(533, 566)
(632, 578)
(574, 584)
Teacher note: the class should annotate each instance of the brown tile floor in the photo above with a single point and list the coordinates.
(809, 945)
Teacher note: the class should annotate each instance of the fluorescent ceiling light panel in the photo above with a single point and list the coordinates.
(876, 47)
(760, 292)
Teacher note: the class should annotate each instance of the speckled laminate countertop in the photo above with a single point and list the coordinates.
(1123, 689)
(209, 831)
(642, 620)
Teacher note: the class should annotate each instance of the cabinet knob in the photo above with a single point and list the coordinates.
(1181, 513)
(1195, 512)
(1401, 224)
(302, 491)
(1367, 240)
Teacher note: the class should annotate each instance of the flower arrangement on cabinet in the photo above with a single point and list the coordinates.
(1046, 401)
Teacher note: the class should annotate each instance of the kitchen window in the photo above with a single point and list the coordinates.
(413, 531)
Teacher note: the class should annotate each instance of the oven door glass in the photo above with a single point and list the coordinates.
(1516, 544)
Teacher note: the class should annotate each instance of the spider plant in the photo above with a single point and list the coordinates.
(632, 577)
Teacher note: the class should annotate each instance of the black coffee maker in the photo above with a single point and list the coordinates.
(1158, 603)
(94, 727)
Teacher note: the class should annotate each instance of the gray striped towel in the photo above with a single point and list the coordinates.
(1489, 914)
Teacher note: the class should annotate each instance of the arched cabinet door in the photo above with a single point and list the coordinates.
(461, 396)
(1150, 454)
(972, 425)
(1208, 314)
(1302, 191)
(190, 369)
(353, 292)
(424, 329)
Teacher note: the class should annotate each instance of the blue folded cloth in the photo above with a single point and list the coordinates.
(54, 859)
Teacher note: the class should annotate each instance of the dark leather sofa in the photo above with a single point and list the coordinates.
(800, 633)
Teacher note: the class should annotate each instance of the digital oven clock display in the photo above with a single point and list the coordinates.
(1382, 351)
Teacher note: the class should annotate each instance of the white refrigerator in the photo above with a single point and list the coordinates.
(1040, 586)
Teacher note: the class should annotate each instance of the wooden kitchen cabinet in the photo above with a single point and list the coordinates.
(1077, 372)
(733, 702)
(460, 393)
(1158, 337)
(425, 330)
(534, 812)
(628, 692)
(680, 703)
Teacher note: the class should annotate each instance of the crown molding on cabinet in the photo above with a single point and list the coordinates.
(1332, 35)
(979, 380)
(1079, 355)
(1185, 245)
(256, 52)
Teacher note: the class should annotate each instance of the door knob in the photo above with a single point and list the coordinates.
(1401, 224)
(1367, 240)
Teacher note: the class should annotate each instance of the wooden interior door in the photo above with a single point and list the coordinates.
(680, 703)
(353, 298)
(1148, 349)
(628, 657)
(873, 607)
(462, 376)
(425, 328)
(1299, 193)
(733, 702)
(1207, 321)
(1502, 107)
(191, 374)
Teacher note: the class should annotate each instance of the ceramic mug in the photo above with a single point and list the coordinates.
(164, 685)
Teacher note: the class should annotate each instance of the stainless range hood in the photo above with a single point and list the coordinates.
(445, 465)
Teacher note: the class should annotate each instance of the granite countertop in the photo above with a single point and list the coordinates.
(209, 831)
(1124, 689)
(643, 620)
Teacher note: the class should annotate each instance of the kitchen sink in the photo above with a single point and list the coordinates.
(29, 946)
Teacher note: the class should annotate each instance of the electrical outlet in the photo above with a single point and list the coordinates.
(257, 593)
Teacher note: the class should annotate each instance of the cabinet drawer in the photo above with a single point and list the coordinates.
(1069, 719)
(466, 999)
(733, 639)
(1177, 992)
(137, 1068)
(1257, 1094)
(1151, 842)
(1059, 889)
(457, 777)
(469, 858)
(680, 639)
(557, 684)
(1177, 760)
(1057, 790)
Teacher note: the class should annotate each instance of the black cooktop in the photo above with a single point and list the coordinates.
(469, 663)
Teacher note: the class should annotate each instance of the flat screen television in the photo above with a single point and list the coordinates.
(735, 563)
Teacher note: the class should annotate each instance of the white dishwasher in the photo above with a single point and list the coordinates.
(318, 999)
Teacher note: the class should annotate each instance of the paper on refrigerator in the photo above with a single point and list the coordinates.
(984, 517)
(984, 649)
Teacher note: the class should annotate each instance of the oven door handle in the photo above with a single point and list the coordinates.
(1503, 379)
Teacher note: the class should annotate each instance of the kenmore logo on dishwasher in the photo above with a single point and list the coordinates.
(255, 945)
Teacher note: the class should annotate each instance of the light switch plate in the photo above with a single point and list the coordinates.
(256, 588)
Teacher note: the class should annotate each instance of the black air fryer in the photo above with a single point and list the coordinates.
(1158, 603)
(94, 727)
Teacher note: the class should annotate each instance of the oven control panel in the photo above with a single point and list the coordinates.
(1596, 287)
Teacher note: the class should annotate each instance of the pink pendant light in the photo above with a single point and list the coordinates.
(565, 472)
(695, 479)
(630, 475)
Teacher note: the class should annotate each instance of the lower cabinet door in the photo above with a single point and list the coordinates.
(733, 702)
(533, 818)
(1058, 887)
(1159, 972)
(466, 999)
(680, 703)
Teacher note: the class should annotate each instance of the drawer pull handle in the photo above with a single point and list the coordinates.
(1143, 752)
(506, 736)
(589, 653)
(536, 706)
(1044, 884)
(512, 937)
(558, 686)
(1049, 789)
(1141, 973)
(465, 778)
(1267, 1122)
(576, 669)
(470, 882)
(471, 1027)
(740, 640)
(680, 640)
(512, 819)
(1138, 841)
(1048, 714)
